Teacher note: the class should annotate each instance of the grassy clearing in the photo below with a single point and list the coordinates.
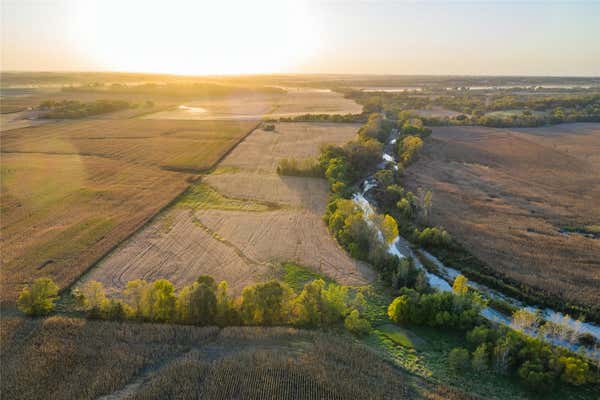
(203, 196)
(296, 276)
(512, 113)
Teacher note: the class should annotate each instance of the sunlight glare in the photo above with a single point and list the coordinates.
(196, 37)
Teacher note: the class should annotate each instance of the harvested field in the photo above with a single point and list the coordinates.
(74, 358)
(250, 220)
(296, 101)
(72, 190)
(180, 145)
(506, 194)
(262, 151)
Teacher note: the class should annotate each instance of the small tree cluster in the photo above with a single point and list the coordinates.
(438, 309)
(38, 298)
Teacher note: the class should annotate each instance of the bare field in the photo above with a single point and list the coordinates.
(506, 194)
(72, 190)
(221, 237)
(296, 101)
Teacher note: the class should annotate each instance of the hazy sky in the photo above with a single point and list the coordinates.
(261, 36)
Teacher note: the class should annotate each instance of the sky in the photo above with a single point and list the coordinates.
(303, 36)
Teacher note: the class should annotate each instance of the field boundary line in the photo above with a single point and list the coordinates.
(155, 215)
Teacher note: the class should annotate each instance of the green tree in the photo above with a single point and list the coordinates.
(357, 325)
(203, 304)
(535, 377)
(38, 299)
(93, 297)
(479, 361)
(227, 314)
(399, 310)
(575, 370)
(478, 335)
(458, 359)
(135, 292)
(160, 301)
(266, 303)
(308, 308)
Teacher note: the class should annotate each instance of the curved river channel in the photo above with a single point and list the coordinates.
(442, 281)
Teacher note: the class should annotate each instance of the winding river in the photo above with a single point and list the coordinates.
(401, 248)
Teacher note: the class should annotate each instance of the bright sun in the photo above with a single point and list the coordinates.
(196, 37)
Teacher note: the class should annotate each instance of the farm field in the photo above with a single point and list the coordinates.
(148, 361)
(509, 194)
(296, 101)
(72, 190)
(243, 220)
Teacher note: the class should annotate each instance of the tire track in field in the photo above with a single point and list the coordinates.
(226, 242)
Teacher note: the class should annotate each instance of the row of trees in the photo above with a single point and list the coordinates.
(205, 303)
(337, 118)
(71, 109)
(475, 107)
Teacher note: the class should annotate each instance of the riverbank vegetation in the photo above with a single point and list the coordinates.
(537, 364)
(492, 348)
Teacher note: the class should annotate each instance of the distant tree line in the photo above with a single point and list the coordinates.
(73, 109)
(204, 89)
(475, 108)
(337, 118)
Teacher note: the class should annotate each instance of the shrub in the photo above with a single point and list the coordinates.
(38, 299)
(294, 167)
(356, 325)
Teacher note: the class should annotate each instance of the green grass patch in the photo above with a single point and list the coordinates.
(203, 196)
(397, 335)
(514, 113)
(296, 276)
